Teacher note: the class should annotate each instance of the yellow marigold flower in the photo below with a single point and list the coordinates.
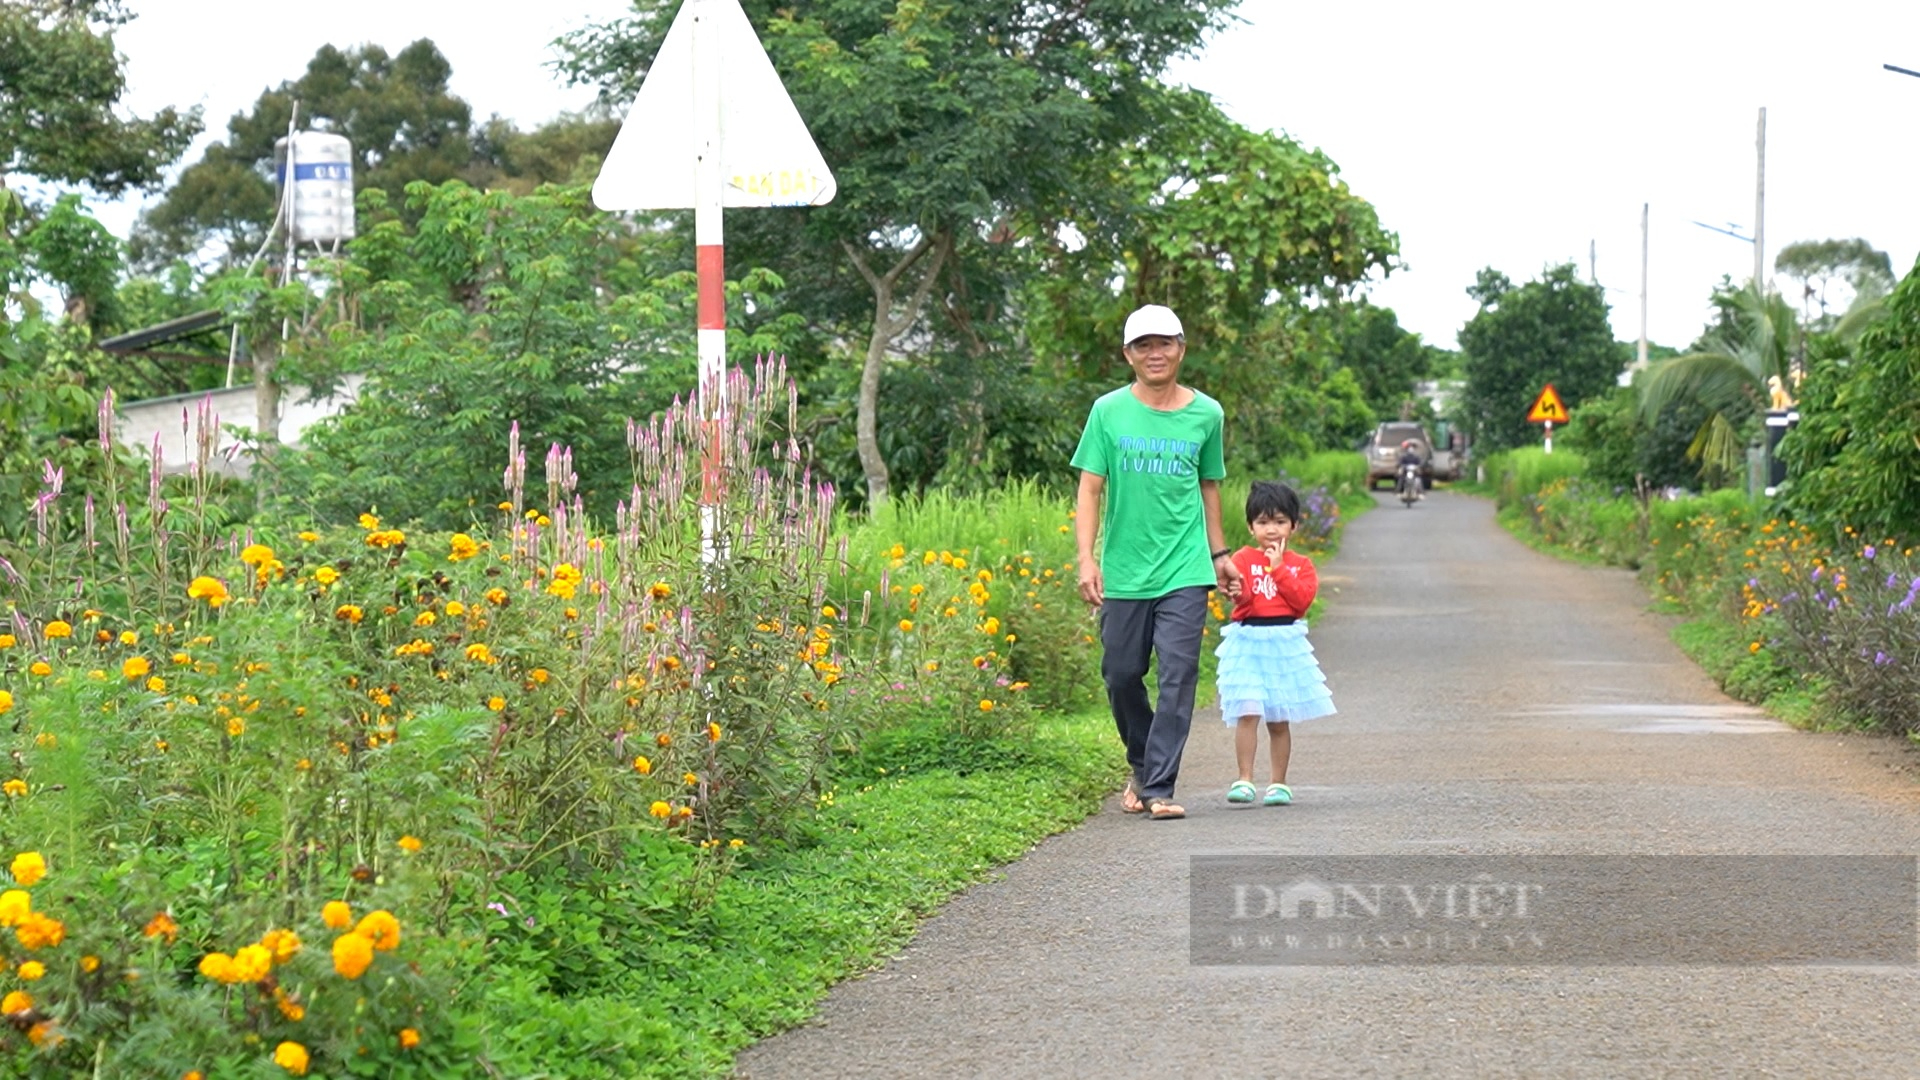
(236, 726)
(425, 618)
(352, 953)
(497, 596)
(409, 1038)
(157, 684)
(60, 629)
(283, 944)
(16, 1001)
(381, 928)
(986, 704)
(713, 731)
(455, 609)
(1017, 687)
(906, 626)
(660, 590)
(136, 667)
(660, 810)
(43, 1033)
(210, 589)
(308, 536)
(37, 930)
(38, 667)
(252, 963)
(218, 967)
(665, 738)
(6, 700)
(326, 575)
(464, 547)
(289, 1007)
(736, 843)
(479, 653)
(932, 666)
(14, 788)
(409, 844)
(28, 868)
(959, 564)
(369, 522)
(496, 703)
(690, 778)
(540, 675)
(292, 1057)
(337, 915)
(349, 613)
(670, 663)
(46, 740)
(128, 637)
(642, 765)
(32, 970)
(7, 641)
(89, 964)
(256, 554)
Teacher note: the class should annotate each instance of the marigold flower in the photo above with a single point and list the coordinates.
(326, 575)
(690, 778)
(309, 536)
(283, 944)
(736, 843)
(409, 844)
(642, 766)
(289, 1006)
(28, 868)
(660, 590)
(89, 964)
(218, 967)
(136, 667)
(337, 915)
(256, 554)
(713, 731)
(38, 667)
(464, 547)
(16, 1001)
(210, 589)
(38, 931)
(236, 726)
(496, 703)
(14, 788)
(425, 618)
(663, 739)
(409, 1038)
(252, 963)
(660, 809)
(43, 1033)
(349, 613)
(292, 1057)
(479, 653)
(7, 641)
(59, 628)
(455, 609)
(381, 928)
(986, 704)
(128, 637)
(6, 701)
(32, 970)
(539, 675)
(352, 953)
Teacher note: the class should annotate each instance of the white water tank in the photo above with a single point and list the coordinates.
(321, 186)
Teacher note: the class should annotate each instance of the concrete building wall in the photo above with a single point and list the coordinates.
(179, 420)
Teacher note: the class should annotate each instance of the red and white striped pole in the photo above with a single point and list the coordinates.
(710, 264)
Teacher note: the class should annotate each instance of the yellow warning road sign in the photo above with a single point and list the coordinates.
(1547, 407)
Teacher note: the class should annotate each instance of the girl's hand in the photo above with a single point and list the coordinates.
(1274, 551)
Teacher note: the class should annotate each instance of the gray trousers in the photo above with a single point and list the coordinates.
(1132, 633)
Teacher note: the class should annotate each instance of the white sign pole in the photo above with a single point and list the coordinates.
(709, 259)
(1549, 436)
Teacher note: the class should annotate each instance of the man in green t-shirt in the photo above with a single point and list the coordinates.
(1151, 453)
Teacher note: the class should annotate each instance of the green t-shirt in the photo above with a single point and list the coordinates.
(1154, 528)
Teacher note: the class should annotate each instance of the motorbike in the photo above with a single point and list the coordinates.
(1410, 485)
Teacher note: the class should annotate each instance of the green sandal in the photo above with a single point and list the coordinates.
(1277, 795)
(1241, 792)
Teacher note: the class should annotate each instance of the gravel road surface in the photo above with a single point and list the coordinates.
(1552, 725)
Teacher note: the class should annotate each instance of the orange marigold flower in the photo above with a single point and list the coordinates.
(986, 705)
(38, 667)
(642, 766)
(660, 809)
(252, 963)
(292, 1057)
(409, 844)
(210, 589)
(663, 739)
(352, 954)
(28, 867)
(349, 613)
(496, 596)
(381, 928)
(409, 1038)
(60, 629)
(283, 944)
(218, 967)
(336, 914)
(464, 547)
(496, 703)
(479, 653)
(16, 1001)
(256, 554)
(660, 590)
(455, 609)
(136, 667)
(32, 970)
(7, 641)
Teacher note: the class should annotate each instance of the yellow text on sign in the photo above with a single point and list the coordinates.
(781, 184)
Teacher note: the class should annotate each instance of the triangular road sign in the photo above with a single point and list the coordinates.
(767, 156)
(1547, 407)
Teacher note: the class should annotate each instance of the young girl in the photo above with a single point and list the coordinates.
(1267, 670)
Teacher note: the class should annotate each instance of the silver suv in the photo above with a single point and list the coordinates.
(1383, 451)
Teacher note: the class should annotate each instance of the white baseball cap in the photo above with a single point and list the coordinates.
(1152, 319)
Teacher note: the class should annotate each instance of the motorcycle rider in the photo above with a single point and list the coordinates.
(1409, 456)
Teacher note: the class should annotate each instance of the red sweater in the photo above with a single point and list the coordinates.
(1286, 589)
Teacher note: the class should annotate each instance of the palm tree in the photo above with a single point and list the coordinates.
(1725, 375)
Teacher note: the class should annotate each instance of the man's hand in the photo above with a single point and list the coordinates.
(1092, 589)
(1227, 576)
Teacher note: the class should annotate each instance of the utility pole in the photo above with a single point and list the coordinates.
(1593, 262)
(1760, 208)
(1641, 360)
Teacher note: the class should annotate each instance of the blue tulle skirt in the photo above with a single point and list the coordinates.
(1270, 672)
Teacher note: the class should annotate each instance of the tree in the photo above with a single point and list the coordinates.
(60, 83)
(933, 118)
(1551, 330)
(1818, 264)
(1726, 375)
(1385, 360)
(1852, 460)
(404, 125)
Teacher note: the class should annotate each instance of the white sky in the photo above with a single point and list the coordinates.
(1510, 133)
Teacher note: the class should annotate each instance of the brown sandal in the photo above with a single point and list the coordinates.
(1130, 803)
(1165, 810)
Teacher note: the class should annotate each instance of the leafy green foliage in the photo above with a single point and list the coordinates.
(60, 87)
(1551, 330)
(1727, 376)
(1852, 461)
(1621, 448)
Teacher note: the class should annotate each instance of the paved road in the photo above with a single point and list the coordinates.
(1554, 719)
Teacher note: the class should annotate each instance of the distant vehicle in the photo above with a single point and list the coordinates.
(1382, 452)
(1411, 484)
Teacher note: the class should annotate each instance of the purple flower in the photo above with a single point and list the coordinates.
(1893, 580)
(1753, 583)
(1816, 572)
(1868, 554)
(498, 906)
(1881, 659)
